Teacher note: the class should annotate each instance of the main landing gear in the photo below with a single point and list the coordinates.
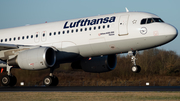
(51, 80)
(135, 68)
(9, 79)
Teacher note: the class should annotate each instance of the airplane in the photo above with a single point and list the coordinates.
(89, 43)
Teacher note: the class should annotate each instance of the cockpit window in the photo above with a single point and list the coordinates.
(158, 20)
(151, 20)
(143, 21)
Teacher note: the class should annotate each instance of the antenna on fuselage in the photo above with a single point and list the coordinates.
(127, 9)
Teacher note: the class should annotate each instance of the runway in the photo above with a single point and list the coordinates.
(92, 88)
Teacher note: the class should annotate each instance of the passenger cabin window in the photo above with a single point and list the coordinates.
(150, 20)
(44, 35)
(103, 26)
(99, 27)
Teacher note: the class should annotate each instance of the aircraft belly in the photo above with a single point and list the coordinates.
(98, 46)
(121, 46)
(142, 43)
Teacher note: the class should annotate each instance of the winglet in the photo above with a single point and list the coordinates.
(127, 10)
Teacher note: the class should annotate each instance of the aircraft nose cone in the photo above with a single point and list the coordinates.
(171, 31)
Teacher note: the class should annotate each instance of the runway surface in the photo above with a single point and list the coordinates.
(93, 88)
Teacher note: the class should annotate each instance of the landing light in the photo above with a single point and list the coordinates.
(22, 83)
(147, 83)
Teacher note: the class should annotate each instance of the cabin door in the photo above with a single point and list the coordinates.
(123, 25)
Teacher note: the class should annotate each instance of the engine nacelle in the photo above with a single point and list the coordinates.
(96, 64)
(35, 59)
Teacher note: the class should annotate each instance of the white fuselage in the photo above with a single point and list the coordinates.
(98, 35)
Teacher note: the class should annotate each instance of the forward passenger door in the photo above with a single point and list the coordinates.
(123, 25)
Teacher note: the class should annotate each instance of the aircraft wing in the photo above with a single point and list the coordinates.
(8, 46)
(7, 50)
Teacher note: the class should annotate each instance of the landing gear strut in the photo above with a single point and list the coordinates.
(135, 68)
(51, 80)
(9, 79)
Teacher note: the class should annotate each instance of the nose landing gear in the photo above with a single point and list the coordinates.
(135, 68)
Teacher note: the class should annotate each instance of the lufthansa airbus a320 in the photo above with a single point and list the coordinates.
(89, 43)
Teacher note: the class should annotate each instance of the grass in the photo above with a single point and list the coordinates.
(89, 96)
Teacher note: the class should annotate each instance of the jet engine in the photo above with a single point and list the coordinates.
(96, 64)
(34, 59)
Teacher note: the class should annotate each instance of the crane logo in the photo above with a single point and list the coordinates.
(143, 30)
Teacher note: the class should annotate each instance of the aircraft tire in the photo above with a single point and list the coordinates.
(8, 80)
(50, 81)
(136, 68)
(13, 81)
(55, 81)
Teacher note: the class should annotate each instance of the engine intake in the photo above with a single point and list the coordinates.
(96, 64)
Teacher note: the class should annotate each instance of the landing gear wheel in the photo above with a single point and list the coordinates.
(56, 81)
(8, 80)
(13, 81)
(136, 69)
(50, 81)
(5, 80)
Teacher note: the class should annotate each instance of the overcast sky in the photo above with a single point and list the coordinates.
(14, 13)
